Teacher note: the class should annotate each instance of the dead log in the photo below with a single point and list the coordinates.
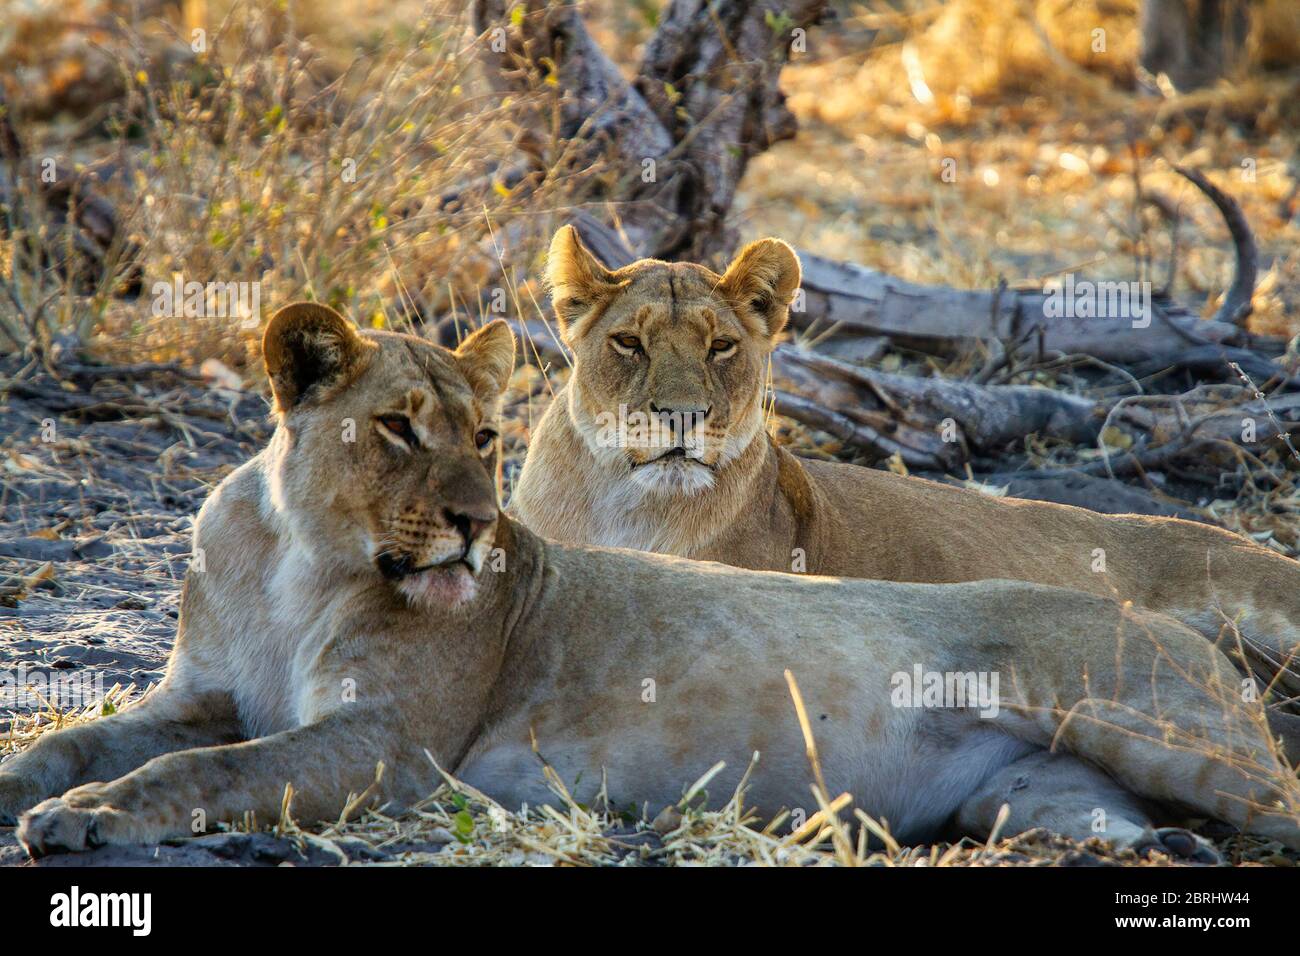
(962, 418)
(1211, 360)
(940, 320)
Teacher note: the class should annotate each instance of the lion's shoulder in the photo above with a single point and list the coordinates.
(238, 506)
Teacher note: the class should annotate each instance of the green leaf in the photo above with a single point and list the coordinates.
(778, 23)
(464, 825)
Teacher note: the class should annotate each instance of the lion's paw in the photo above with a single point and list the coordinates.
(81, 819)
(1179, 844)
(53, 826)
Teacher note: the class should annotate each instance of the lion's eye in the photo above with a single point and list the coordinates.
(721, 346)
(400, 426)
(484, 438)
(629, 342)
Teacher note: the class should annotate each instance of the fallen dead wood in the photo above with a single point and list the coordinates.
(960, 416)
(1212, 360)
(857, 301)
(1236, 305)
(936, 423)
(940, 320)
(865, 307)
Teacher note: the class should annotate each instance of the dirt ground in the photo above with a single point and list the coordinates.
(94, 523)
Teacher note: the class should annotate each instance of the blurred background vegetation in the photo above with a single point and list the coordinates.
(225, 159)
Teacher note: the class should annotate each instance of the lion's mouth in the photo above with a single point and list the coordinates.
(673, 455)
(400, 567)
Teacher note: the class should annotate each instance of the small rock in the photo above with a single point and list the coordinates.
(668, 820)
(357, 849)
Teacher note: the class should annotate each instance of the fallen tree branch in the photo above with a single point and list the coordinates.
(945, 321)
(988, 416)
(1236, 307)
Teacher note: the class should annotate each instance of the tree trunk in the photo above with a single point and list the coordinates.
(676, 140)
(1193, 42)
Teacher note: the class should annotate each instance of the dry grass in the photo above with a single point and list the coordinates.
(458, 825)
(319, 175)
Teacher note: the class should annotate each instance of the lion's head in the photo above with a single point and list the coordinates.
(383, 462)
(669, 357)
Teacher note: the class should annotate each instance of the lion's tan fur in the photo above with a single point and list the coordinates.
(339, 639)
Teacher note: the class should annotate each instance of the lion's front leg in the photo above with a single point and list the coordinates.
(106, 748)
(178, 794)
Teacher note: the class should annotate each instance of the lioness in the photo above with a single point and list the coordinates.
(684, 349)
(362, 601)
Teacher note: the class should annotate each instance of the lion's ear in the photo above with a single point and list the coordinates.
(310, 349)
(761, 281)
(487, 357)
(577, 281)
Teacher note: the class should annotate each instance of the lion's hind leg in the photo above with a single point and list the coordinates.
(1159, 709)
(1204, 752)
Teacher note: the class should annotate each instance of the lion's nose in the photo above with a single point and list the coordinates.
(681, 417)
(470, 526)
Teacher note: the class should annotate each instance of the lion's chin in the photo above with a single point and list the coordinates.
(673, 476)
(445, 587)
